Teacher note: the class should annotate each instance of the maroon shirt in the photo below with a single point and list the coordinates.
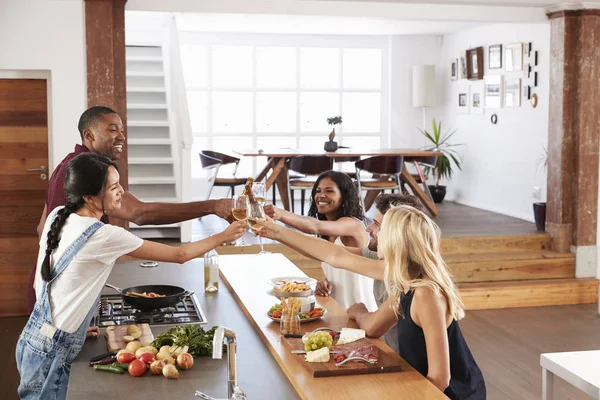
(55, 197)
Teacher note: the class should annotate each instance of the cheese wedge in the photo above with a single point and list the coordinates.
(349, 335)
(321, 355)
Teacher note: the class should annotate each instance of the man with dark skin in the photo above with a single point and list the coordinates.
(102, 132)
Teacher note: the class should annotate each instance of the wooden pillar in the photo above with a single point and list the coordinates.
(105, 49)
(573, 137)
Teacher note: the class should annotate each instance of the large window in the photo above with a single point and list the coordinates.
(276, 91)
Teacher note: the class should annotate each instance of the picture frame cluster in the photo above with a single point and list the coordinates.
(508, 81)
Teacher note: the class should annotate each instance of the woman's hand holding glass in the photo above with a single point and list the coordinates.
(273, 212)
(240, 212)
(234, 231)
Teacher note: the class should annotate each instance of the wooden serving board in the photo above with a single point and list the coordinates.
(386, 362)
(114, 336)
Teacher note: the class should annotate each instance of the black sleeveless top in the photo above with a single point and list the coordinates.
(466, 379)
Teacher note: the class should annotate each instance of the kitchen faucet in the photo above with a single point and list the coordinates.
(222, 333)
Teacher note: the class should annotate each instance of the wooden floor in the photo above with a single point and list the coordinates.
(455, 220)
(505, 343)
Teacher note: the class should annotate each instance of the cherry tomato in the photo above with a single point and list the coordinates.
(137, 368)
(147, 358)
(125, 358)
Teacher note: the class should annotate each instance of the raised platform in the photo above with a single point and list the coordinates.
(497, 261)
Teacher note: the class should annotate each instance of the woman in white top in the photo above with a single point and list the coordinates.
(77, 254)
(335, 215)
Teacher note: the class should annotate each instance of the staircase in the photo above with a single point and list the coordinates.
(152, 145)
(515, 271)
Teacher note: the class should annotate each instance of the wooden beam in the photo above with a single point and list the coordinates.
(105, 50)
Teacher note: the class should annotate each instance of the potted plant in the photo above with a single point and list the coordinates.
(331, 145)
(539, 208)
(443, 166)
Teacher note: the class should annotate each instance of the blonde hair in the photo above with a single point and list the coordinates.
(410, 243)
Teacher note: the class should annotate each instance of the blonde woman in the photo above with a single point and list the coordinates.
(423, 300)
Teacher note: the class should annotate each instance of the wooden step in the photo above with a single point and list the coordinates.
(495, 244)
(529, 293)
(511, 266)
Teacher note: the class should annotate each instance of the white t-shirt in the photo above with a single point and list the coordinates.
(349, 287)
(76, 289)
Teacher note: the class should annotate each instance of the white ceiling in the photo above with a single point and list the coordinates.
(304, 24)
(511, 3)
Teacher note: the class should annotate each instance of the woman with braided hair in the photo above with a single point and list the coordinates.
(77, 254)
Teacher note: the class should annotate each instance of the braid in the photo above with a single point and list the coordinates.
(54, 235)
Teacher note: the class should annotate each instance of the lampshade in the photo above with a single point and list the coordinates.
(423, 85)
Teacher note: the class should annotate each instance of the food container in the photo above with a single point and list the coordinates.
(308, 304)
(289, 324)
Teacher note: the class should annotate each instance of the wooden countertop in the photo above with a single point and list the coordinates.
(246, 277)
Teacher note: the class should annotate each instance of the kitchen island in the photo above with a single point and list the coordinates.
(258, 373)
(266, 368)
(246, 276)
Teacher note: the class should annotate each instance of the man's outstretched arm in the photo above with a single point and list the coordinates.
(141, 213)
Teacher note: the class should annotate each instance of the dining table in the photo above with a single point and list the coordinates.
(276, 171)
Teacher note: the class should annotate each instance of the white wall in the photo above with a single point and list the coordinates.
(48, 36)
(499, 167)
(405, 120)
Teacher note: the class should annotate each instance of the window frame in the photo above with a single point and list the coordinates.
(298, 42)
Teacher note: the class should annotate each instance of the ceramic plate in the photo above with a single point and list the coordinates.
(280, 281)
(302, 320)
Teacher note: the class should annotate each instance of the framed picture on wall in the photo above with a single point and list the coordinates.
(475, 63)
(463, 99)
(453, 69)
(512, 92)
(476, 98)
(493, 91)
(462, 63)
(495, 56)
(513, 57)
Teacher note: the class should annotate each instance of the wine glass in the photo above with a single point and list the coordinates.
(260, 192)
(240, 212)
(257, 212)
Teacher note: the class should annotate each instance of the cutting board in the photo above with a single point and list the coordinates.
(114, 336)
(386, 363)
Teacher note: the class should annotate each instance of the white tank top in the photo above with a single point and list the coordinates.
(349, 287)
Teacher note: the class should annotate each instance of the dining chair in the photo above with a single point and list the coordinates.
(386, 172)
(310, 167)
(212, 160)
(420, 177)
(346, 159)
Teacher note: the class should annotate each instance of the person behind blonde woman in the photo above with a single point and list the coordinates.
(423, 300)
(77, 254)
(336, 216)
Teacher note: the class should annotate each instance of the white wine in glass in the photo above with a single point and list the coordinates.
(240, 212)
(257, 212)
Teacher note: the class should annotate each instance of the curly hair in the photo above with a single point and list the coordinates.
(86, 176)
(350, 207)
(384, 202)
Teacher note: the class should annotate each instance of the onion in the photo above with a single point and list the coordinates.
(169, 360)
(157, 366)
(170, 371)
(185, 361)
(165, 348)
(162, 355)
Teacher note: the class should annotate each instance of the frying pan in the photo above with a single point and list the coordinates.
(173, 294)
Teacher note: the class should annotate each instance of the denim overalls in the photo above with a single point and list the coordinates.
(44, 353)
